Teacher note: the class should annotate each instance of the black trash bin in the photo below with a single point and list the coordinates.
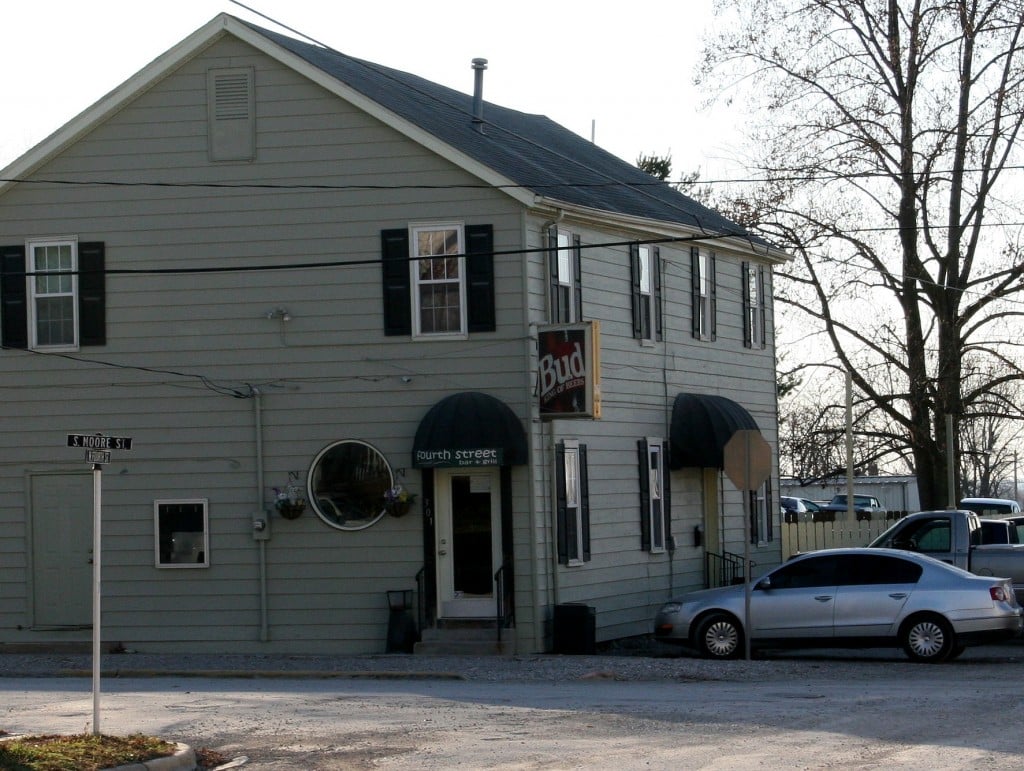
(401, 625)
(575, 629)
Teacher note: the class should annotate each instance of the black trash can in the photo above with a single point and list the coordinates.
(401, 626)
(575, 629)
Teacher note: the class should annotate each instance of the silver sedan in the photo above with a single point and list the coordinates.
(849, 598)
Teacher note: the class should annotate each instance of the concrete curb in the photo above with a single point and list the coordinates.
(184, 759)
(278, 674)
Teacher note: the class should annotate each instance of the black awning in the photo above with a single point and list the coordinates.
(701, 426)
(469, 429)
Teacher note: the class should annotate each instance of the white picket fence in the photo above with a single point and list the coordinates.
(800, 537)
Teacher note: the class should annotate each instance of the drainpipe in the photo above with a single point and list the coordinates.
(257, 404)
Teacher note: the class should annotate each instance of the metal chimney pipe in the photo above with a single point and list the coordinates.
(479, 65)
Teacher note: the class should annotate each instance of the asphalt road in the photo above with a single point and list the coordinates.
(855, 711)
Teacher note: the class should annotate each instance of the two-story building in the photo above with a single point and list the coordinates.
(366, 334)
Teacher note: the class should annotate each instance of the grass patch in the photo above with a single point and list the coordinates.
(80, 752)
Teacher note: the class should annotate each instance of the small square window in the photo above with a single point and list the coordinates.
(182, 535)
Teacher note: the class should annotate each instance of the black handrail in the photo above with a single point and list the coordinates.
(505, 609)
(726, 567)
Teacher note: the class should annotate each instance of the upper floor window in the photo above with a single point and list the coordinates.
(52, 294)
(646, 274)
(754, 306)
(572, 502)
(702, 271)
(438, 280)
(566, 297)
(654, 494)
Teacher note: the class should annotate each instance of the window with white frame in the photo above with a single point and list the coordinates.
(702, 265)
(754, 306)
(572, 503)
(53, 294)
(762, 526)
(182, 533)
(438, 275)
(566, 291)
(654, 499)
(645, 271)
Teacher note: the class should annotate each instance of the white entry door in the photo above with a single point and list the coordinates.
(62, 514)
(468, 541)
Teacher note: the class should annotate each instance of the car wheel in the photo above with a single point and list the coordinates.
(956, 652)
(928, 638)
(719, 637)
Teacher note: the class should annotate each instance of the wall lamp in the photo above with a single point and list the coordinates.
(279, 313)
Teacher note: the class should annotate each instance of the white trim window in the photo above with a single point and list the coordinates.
(655, 529)
(182, 530)
(754, 306)
(762, 526)
(572, 503)
(703, 266)
(53, 295)
(438, 280)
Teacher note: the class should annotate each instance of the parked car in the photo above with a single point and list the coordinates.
(849, 598)
(864, 506)
(798, 509)
(991, 507)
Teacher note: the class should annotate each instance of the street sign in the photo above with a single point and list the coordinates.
(747, 459)
(97, 456)
(99, 442)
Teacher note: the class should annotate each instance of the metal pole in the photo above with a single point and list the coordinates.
(97, 494)
(849, 447)
(746, 549)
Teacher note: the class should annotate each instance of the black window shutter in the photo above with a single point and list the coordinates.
(656, 291)
(713, 289)
(395, 281)
(480, 277)
(554, 294)
(577, 272)
(763, 307)
(666, 495)
(92, 294)
(769, 508)
(584, 503)
(561, 510)
(745, 276)
(695, 300)
(634, 267)
(13, 300)
(645, 494)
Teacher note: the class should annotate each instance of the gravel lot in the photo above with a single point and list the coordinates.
(806, 710)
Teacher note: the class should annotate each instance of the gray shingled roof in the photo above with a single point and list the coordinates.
(531, 150)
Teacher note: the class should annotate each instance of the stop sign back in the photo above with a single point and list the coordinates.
(748, 459)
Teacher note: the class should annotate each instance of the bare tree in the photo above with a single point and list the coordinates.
(889, 165)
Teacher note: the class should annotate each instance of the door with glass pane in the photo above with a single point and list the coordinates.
(468, 541)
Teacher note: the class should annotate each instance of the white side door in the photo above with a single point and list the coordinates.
(468, 543)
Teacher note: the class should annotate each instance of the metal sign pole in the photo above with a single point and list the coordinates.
(97, 487)
(746, 547)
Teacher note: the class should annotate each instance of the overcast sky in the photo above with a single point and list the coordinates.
(620, 72)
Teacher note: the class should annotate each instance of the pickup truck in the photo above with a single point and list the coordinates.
(863, 507)
(956, 537)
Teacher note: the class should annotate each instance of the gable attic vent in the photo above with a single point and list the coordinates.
(231, 116)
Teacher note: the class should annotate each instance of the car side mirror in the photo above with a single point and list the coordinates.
(764, 583)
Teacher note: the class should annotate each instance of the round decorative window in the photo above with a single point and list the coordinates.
(347, 483)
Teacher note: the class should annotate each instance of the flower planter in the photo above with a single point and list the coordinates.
(398, 508)
(291, 510)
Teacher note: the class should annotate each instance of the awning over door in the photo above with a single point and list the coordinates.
(702, 424)
(469, 429)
